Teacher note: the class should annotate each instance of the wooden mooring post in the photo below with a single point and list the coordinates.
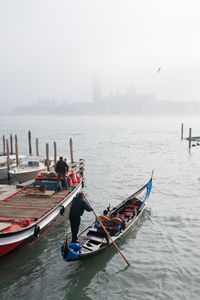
(71, 150)
(190, 137)
(79, 165)
(47, 157)
(11, 144)
(55, 153)
(29, 142)
(16, 151)
(8, 158)
(37, 146)
(182, 131)
(11, 147)
(4, 145)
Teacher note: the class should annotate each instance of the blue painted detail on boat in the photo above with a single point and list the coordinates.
(149, 187)
(74, 251)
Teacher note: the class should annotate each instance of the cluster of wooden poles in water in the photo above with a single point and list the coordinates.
(8, 150)
(190, 138)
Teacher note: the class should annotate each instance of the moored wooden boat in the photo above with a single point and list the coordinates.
(121, 219)
(28, 168)
(27, 213)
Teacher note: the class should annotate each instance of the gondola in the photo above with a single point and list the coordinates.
(118, 222)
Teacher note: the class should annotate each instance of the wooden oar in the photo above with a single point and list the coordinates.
(98, 219)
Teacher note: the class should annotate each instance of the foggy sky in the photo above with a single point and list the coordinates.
(55, 48)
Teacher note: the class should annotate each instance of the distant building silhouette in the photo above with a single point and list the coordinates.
(128, 103)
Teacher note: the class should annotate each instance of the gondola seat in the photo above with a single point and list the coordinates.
(113, 224)
(115, 228)
(131, 208)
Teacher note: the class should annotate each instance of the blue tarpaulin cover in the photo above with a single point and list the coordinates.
(73, 253)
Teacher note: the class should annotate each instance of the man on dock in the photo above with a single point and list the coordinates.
(76, 211)
(61, 170)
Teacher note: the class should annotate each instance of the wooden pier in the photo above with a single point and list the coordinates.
(23, 205)
(6, 190)
(193, 138)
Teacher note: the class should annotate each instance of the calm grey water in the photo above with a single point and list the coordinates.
(120, 153)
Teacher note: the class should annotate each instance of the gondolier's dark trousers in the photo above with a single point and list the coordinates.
(75, 223)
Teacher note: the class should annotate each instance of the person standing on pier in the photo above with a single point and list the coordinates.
(76, 211)
(61, 170)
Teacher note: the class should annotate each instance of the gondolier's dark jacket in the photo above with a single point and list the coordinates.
(61, 167)
(78, 206)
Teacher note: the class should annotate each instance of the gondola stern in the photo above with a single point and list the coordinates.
(71, 251)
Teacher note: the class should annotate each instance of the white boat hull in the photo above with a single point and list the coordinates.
(3, 165)
(27, 170)
(25, 176)
(3, 173)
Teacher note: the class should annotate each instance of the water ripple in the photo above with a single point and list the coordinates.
(164, 248)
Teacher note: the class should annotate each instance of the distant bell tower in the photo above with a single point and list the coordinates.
(96, 90)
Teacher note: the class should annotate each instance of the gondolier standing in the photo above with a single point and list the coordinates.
(76, 211)
(61, 169)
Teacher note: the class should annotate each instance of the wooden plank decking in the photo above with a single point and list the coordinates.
(22, 206)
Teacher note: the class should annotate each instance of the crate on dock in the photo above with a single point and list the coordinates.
(37, 193)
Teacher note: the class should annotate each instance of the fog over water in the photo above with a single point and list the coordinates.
(54, 49)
